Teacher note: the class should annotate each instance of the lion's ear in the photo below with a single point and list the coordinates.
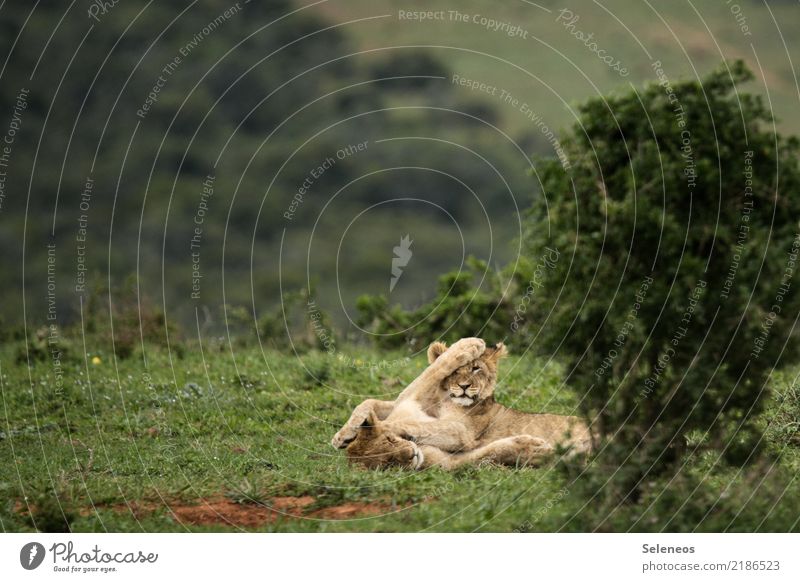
(435, 350)
(493, 355)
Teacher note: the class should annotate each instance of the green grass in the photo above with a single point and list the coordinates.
(204, 426)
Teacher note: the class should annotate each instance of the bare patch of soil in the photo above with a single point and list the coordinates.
(226, 512)
(350, 510)
(223, 511)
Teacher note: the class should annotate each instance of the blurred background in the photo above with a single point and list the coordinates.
(190, 155)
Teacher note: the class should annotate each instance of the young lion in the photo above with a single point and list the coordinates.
(497, 433)
(376, 446)
(415, 412)
(471, 390)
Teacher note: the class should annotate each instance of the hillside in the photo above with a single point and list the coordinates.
(545, 64)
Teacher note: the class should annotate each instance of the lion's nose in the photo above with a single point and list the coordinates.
(464, 386)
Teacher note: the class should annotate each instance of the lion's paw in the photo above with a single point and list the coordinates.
(467, 350)
(344, 437)
(349, 431)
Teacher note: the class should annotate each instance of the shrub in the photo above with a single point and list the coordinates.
(474, 301)
(676, 203)
(136, 319)
(297, 324)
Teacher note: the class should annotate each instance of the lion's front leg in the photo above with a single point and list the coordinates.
(435, 457)
(451, 436)
(443, 362)
(459, 354)
(381, 408)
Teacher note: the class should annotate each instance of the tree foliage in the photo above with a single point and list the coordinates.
(680, 212)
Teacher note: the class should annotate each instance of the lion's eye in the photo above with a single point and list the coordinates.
(476, 368)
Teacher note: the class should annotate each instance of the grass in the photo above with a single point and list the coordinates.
(120, 447)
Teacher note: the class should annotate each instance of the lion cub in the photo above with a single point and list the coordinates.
(414, 414)
(471, 392)
(485, 430)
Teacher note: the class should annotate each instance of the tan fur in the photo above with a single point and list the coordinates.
(377, 447)
(414, 413)
(471, 389)
(474, 428)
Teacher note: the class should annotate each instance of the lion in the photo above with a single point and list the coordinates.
(414, 414)
(471, 392)
(487, 430)
(377, 446)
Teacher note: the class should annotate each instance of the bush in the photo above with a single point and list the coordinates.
(681, 293)
(136, 320)
(47, 344)
(474, 301)
(298, 324)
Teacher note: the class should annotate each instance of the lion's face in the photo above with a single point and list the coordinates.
(470, 384)
(376, 447)
(475, 381)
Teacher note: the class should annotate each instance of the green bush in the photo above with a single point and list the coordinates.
(298, 324)
(676, 204)
(126, 319)
(474, 301)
